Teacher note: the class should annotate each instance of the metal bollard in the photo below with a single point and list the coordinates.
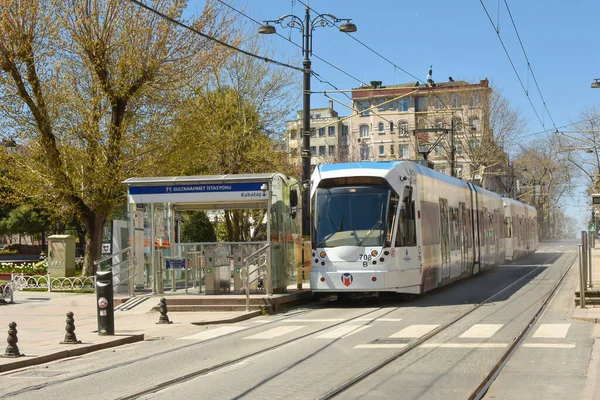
(581, 278)
(164, 319)
(70, 337)
(12, 350)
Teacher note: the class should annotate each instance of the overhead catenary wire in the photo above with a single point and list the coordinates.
(222, 43)
(512, 64)
(528, 63)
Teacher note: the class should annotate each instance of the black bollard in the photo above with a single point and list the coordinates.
(70, 337)
(12, 350)
(164, 319)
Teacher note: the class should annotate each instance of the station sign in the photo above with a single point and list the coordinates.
(243, 191)
(175, 263)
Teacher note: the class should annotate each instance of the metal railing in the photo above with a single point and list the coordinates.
(128, 260)
(52, 284)
(260, 261)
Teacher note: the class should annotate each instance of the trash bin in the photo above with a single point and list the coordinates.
(105, 303)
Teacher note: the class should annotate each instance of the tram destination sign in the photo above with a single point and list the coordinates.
(249, 191)
(175, 263)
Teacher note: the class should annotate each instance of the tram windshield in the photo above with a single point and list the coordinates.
(350, 216)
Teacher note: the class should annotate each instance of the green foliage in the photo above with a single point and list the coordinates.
(196, 227)
(22, 249)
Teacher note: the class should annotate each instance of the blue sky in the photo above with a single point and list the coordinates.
(561, 39)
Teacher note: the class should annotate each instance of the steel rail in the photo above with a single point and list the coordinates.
(489, 379)
(356, 379)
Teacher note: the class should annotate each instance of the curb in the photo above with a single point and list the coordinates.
(21, 363)
(586, 319)
(244, 317)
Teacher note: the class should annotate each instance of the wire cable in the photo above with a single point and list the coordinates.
(197, 32)
(512, 64)
(529, 64)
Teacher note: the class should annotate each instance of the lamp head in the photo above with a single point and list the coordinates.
(348, 27)
(267, 29)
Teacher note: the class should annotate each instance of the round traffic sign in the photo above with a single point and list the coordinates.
(102, 302)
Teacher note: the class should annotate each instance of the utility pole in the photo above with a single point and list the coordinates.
(452, 151)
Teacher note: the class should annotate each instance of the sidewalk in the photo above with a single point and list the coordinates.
(41, 320)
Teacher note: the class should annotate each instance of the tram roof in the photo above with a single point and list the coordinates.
(229, 178)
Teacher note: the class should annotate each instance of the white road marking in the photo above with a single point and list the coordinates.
(315, 320)
(343, 331)
(482, 331)
(213, 333)
(381, 346)
(414, 331)
(556, 331)
(551, 345)
(378, 319)
(463, 345)
(275, 332)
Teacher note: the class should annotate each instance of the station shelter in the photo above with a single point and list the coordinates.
(160, 262)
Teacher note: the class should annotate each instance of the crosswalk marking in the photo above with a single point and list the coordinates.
(315, 320)
(381, 346)
(343, 331)
(275, 332)
(379, 319)
(552, 331)
(482, 331)
(414, 331)
(550, 345)
(464, 345)
(213, 333)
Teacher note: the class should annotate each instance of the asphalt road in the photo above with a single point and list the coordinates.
(327, 344)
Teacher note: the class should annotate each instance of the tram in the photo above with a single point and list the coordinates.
(402, 227)
(521, 235)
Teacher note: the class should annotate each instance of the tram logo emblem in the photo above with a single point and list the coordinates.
(347, 279)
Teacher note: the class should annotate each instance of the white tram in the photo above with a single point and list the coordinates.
(521, 235)
(400, 227)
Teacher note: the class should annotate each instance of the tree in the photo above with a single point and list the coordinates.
(545, 179)
(196, 227)
(89, 91)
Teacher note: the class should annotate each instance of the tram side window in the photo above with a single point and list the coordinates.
(507, 227)
(406, 234)
(391, 220)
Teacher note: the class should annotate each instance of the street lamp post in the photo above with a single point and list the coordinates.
(306, 26)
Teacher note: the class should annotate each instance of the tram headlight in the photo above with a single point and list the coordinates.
(322, 254)
(374, 253)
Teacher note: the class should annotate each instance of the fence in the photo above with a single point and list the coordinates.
(52, 284)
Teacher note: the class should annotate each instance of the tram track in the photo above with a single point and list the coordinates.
(484, 385)
(191, 375)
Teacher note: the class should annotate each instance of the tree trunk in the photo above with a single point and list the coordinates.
(93, 242)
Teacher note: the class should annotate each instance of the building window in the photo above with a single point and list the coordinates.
(380, 106)
(457, 124)
(380, 128)
(392, 127)
(344, 130)
(439, 104)
(392, 151)
(403, 128)
(364, 130)
(321, 132)
(475, 124)
(365, 153)
(459, 148)
(294, 153)
(381, 150)
(440, 124)
(362, 106)
(421, 103)
(322, 150)
(331, 150)
(474, 102)
(293, 134)
(403, 151)
(331, 131)
(345, 150)
(391, 106)
(440, 168)
(313, 132)
(455, 101)
(473, 144)
(440, 150)
(313, 150)
(403, 104)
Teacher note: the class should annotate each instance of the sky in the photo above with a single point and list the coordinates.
(401, 39)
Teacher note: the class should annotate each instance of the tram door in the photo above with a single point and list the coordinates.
(445, 240)
(462, 235)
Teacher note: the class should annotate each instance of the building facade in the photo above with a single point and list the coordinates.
(328, 137)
